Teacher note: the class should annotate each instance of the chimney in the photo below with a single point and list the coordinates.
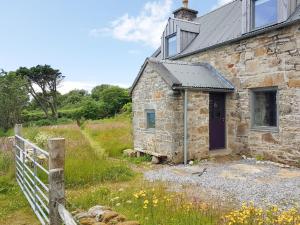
(184, 13)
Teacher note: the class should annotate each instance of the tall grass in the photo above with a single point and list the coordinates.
(83, 165)
(149, 205)
(114, 134)
(11, 198)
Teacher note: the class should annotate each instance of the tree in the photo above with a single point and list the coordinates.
(41, 83)
(74, 97)
(112, 97)
(13, 98)
(97, 91)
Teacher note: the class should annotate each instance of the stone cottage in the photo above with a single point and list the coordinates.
(223, 83)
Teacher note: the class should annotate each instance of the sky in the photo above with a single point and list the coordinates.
(91, 42)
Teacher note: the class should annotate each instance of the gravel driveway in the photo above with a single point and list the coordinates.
(238, 181)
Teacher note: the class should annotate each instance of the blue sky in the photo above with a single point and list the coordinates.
(91, 41)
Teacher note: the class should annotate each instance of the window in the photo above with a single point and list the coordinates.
(264, 108)
(264, 12)
(171, 46)
(150, 114)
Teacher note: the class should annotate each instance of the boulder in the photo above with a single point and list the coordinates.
(97, 210)
(87, 221)
(129, 223)
(81, 215)
(129, 153)
(155, 160)
(108, 216)
(119, 218)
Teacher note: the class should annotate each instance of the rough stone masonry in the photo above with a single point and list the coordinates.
(271, 59)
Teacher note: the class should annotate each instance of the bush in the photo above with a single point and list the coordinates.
(92, 110)
(7, 133)
(48, 122)
(28, 116)
(127, 108)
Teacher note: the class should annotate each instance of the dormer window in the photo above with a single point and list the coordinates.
(171, 48)
(264, 13)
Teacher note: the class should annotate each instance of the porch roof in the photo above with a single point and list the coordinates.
(185, 75)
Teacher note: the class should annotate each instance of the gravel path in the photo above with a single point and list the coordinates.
(244, 181)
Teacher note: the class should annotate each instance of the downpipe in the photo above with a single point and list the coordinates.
(185, 138)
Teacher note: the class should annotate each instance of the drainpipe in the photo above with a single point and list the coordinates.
(185, 141)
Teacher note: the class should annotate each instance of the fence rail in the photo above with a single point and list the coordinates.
(40, 174)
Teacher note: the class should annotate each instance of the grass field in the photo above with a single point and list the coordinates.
(97, 174)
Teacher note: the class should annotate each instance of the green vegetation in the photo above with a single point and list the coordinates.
(92, 178)
(114, 134)
(150, 204)
(84, 165)
(13, 98)
(11, 198)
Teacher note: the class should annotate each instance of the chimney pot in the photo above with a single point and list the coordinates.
(185, 3)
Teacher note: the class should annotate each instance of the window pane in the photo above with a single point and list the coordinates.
(265, 12)
(265, 108)
(172, 46)
(150, 119)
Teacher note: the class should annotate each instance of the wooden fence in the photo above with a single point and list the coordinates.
(40, 174)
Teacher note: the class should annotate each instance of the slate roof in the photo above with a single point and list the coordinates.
(184, 75)
(218, 26)
(223, 25)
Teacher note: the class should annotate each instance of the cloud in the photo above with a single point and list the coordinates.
(145, 28)
(67, 86)
(220, 3)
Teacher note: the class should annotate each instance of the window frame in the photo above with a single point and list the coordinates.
(147, 111)
(252, 102)
(253, 26)
(167, 45)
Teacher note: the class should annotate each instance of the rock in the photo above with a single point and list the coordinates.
(87, 221)
(191, 163)
(80, 215)
(244, 157)
(129, 153)
(97, 210)
(119, 218)
(129, 223)
(99, 223)
(108, 216)
(155, 160)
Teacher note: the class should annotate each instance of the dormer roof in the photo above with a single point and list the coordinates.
(222, 26)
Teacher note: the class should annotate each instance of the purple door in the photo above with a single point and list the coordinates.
(216, 121)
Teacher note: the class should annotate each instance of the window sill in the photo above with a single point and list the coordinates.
(265, 129)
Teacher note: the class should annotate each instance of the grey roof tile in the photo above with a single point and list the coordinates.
(179, 75)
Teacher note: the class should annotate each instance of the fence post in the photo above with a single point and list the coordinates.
(18, 129)
(56, 178)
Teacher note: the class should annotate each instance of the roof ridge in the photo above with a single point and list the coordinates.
(186, 21)
(218, 8)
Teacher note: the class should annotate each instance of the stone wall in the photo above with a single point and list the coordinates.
(267, 60)
(152, 92)
(198, 124)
